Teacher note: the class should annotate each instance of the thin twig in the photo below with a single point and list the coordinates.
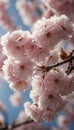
(69, 59)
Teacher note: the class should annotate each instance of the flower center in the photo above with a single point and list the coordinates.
(48, 34)
(22, 67)
(56, 80)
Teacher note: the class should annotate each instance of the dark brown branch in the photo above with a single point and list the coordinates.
(59, 64)
(20, 124)
(69, 60)
(11, 127)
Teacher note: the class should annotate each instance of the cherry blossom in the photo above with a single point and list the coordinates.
(61, 7)
(29, 11)
(2, 121)
(15, 82)
(2, 106)
(6, 21)
(48, 32)
(15, 99)
(14, 43)
(33, 111)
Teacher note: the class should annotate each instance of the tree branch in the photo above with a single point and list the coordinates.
(69, 59)
(13, 126)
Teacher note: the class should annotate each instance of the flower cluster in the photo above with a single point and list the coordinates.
(61, 7)
(29, 11)
(15, 99)
(5, 20)
(43, 59)
(64, 121)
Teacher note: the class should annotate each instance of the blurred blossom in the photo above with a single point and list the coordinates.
(15, 99)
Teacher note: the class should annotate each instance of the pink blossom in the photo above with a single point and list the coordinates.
(2, 58)
(61, 120)
(61, 7)
(23, 70)
(2, 106)
(2, 121)
(14, 43)
(34, 95)
(48, 115)
(33, 111)
(8, 71)
(46, 107)
(35, 53)
(6, 21)
(51, 102)
(71, 84)
(15, 99)
(70, 87)
(53, 57)
(48, 32)
(5, 3)
(53, 82)
(67, 9)
(28, 11)
(37, 84)
(72, 38)
(20, 85)
(10, 75)
(70, 99)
